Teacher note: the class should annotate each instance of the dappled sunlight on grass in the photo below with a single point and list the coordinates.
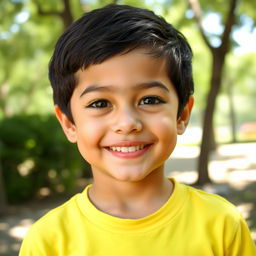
(12, 234)
(14, 227)
(20, 230)
(189, 177)
(245, 209)
(185, 152)
(234, 163)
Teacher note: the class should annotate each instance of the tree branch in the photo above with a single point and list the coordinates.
(42, 12)
(65, 15)
(230, 21)
(196, 8)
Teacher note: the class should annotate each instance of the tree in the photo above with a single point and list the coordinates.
(218, 61)
(240, 85)
(3, 202)
(24, 49)
(65, 13)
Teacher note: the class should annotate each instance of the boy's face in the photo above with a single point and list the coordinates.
(125, 116)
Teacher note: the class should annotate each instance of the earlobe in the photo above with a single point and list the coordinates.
(183, 119)
(67, 126)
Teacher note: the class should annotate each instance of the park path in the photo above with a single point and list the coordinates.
(233, 166)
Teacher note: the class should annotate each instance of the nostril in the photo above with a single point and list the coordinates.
(127, 125)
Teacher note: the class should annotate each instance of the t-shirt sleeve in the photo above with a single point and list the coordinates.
(29, 246)
(34, 245)
(242, 243)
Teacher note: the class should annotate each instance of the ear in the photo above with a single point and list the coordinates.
(183, 119)
(68, 127)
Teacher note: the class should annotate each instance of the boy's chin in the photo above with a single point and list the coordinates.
(131, 176)
(128, 176)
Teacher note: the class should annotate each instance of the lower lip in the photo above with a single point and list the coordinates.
(129, 155)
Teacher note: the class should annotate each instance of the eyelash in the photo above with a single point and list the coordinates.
(96, 102)
(157, 100)
(102, 103)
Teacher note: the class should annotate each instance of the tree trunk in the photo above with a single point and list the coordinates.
(218, 60)
(4, 92)
(66, 15)
(232, 113)
(3, 201)
(207, 138)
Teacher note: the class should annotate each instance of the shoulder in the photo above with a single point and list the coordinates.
(67, 208)
(57, 218)
(214, 207)
(216, 220)
(210, 199)
(45, 234)
(215, 217)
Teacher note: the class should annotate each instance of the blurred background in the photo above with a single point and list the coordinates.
(39, 168)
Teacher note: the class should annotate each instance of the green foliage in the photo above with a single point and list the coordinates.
(26, 43)
(240, 72)
(36, 154)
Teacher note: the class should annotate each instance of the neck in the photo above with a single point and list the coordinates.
(131, 199)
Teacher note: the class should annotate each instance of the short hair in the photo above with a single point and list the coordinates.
(116, 29)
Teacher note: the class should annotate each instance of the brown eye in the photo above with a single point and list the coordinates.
(99, 104)
(151, 100)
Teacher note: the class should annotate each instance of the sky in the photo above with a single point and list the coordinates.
(245, 36)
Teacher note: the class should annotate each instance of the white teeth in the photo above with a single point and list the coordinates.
(127, 149)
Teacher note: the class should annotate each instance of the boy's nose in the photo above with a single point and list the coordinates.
(127, 122)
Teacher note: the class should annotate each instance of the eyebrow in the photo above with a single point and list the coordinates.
(142, 86)
(152, 84)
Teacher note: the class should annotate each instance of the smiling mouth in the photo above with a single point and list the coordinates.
(128, 149)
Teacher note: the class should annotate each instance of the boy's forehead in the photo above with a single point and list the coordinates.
(135, 70)
(141, 58)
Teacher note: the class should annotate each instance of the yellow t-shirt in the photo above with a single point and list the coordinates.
(191, 223)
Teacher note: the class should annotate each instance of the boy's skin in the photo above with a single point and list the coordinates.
(126, 101)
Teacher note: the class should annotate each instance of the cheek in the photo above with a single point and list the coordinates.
(89, 135)
(165, 129)
(164, 125)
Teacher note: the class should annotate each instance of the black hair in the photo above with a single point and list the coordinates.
(116, 29)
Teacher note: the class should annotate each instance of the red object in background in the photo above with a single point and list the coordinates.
(248, 130)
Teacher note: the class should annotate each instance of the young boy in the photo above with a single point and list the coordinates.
(122, 84)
